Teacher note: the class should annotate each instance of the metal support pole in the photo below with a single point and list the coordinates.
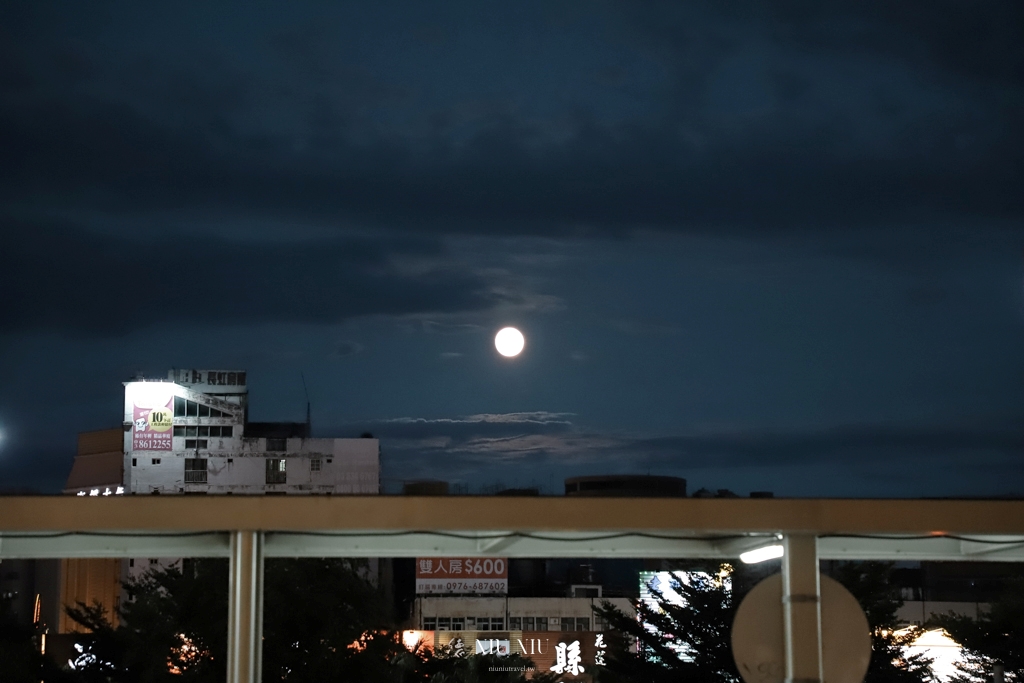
(801, 609)
(245, 607)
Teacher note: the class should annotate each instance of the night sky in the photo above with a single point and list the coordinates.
(764, 246)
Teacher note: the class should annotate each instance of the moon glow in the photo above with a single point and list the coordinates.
(509, 341)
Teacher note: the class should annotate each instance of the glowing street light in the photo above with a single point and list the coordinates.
(768, 552)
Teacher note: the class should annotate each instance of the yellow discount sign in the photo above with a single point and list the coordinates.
(160, 419)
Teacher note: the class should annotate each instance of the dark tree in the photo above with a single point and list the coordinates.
(314, 610)
(20, 659)
(995, 637)
(702, 629)
(323, 621)
(675, 643)
(173, 627)
(871, 583)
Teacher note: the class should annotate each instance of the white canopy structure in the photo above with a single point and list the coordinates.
(247, 529)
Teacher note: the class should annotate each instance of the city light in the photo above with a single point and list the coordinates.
(413, 639)
(768, 552)
(936, 645)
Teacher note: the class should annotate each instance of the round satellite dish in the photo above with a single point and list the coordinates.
(757, 643)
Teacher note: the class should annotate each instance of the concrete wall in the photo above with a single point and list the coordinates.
(346, 466)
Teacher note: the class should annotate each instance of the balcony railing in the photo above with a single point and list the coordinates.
(247, 529)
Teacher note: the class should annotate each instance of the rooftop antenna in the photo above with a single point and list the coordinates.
(309, 420)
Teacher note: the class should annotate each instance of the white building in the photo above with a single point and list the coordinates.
(451, 613)
(190, 434)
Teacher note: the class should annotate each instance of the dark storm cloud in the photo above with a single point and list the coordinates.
(772, 118)
(347, 348)
(67, 280)
(220, 167)
(555, 436)
(884, 459)
(469, 427)
(854, 443)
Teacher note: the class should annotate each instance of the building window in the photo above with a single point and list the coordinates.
(135, 461)
(211, 430)
(529, 624)
(444, 624)
(497, 623)
(277, 444)
(276, 471)
(483, 624)
(153, 561)
(515, 623)
(186, 408)
(458, 624)
(196, 443)
(131, 563)
(226, 378)
(195, 470)
(582, 623)
(330, 460)
(314, 465)
(429, 623)
(542, 623)
(155, 461)
(567, 624)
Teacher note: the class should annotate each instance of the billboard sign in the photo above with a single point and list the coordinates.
(152, 421)
(461, 575)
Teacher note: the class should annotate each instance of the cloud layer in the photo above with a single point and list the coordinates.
(461, 448)
(69, 280)
(785, 116)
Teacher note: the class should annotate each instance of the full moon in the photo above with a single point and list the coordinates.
(509, 342)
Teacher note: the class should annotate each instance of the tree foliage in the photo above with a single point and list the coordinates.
(701, 629)
(995, 637)
(673, 642)
(20, 660)
(871, 583)
(323, 621)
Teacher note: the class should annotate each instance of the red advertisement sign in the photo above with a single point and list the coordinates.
(152, 428)
(462, 575)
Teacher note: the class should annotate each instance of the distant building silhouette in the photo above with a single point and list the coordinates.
(627, 485)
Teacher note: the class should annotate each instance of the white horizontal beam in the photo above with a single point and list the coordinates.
(1004, 549)
(490, 544)
(995, 546)
(75, 545)
(499, 543)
